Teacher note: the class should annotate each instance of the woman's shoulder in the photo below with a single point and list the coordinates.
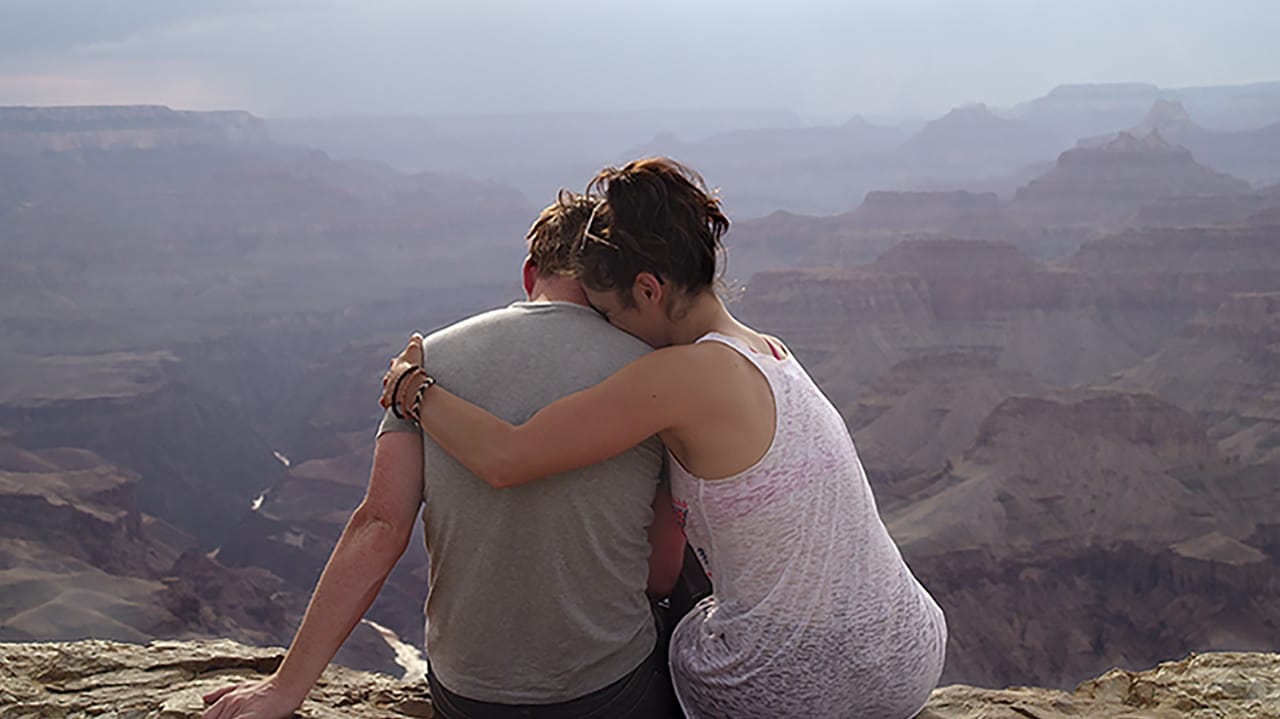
(749, 343)
(693, 370)
(689, 357)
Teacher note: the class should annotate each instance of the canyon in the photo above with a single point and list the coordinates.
(1063, 389)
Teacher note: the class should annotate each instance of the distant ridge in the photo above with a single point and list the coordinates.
(28, 130)
(1252, 154)
(1112, 179)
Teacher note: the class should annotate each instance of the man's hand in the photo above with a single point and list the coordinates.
(412, 356)
(262, 699)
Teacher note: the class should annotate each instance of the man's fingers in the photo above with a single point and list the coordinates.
(413, 354)
(217, 694)
(217, 711)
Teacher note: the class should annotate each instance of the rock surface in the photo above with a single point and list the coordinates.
(166, 680)
(1222, 686)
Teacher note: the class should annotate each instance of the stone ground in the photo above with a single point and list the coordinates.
(165, 679)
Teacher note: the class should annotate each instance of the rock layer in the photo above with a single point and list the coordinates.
(1221, 686)
(165, 680)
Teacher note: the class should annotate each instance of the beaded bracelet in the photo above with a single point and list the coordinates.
(415, 411)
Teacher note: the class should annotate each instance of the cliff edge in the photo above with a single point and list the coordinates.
(166, 679)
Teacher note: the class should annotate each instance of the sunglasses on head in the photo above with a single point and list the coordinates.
(586, 231)
(588, 235)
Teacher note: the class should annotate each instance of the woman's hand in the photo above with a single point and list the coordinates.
(262, 699)
(413, 355)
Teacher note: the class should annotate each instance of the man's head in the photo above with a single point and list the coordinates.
(552, 242)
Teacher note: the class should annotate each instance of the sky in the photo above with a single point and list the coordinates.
(817, 57)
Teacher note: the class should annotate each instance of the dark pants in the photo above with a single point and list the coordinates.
(645, 693)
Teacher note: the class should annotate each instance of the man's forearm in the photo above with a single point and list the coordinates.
(666, 545)
(360, 563)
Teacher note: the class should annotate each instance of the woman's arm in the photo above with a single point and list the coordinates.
(640, 400)
(653, 394)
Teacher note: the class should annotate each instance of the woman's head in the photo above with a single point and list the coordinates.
(657, 233)
(658, 217)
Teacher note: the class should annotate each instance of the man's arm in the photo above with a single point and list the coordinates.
(374, 538)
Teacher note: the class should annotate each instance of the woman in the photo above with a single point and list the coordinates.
(813, 613)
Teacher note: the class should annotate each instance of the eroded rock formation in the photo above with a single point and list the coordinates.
(1225, 367)
(1221, 686)
(166, 680)
(1109, 182)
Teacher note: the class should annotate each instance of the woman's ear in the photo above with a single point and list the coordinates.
(647, 288)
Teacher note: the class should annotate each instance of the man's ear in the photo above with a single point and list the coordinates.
(647, 288)
(529, 275)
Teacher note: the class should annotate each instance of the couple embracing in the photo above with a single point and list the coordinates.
(563, 449)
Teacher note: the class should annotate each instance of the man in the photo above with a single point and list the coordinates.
(537, 601)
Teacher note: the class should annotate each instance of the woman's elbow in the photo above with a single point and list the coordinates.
(504, 473)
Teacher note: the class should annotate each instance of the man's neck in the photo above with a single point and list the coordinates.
(558, 289)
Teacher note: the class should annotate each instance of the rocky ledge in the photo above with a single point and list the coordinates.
(167, 678)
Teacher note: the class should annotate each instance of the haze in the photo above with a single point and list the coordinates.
(818, 57)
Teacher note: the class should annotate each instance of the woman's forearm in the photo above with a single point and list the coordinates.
(485, 444)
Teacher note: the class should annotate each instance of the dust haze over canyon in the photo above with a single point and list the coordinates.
(1053, 327)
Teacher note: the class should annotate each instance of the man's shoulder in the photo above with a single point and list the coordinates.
(521, 321)
(481, 319)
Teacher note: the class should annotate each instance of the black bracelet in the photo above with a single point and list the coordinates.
(395, 392)
(416, 409)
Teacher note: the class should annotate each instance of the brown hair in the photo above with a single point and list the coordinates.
(556, 233)
(658, 217)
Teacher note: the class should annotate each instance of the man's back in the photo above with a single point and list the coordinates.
(537, 592)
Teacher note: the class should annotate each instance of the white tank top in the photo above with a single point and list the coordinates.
(814, 613)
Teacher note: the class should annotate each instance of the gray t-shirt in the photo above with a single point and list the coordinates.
(537, 593)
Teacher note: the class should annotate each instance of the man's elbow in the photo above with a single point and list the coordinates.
(378, 533)
(666, 562)
(663, 583)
